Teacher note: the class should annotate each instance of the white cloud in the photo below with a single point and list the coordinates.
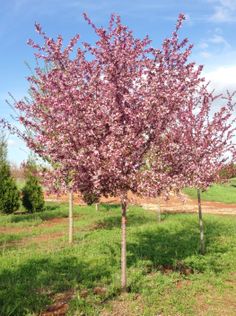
(222, 78)
(224, 11)
(228, 3)
(219, 39)
(12, 142)
(203, 45)
(213, 45)
(205, 54)
(221, 14)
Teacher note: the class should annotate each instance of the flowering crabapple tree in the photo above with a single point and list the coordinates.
(99, 114)
(145, 91)
(200, 143)
(209, 142)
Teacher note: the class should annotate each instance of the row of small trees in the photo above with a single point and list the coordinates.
(122, 115)
(31, 194)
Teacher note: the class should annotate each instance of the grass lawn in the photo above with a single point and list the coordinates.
(166, 274)
(20, 183)
(225, 193)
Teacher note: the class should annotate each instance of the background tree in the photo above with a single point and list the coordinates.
(9, 194)
(197, 147)
(91, 198)
(32, 193)
(227, 172)
(58, 181)
(17, 172)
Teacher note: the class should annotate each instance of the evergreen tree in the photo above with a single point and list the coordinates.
(9, 194)
(32, 193)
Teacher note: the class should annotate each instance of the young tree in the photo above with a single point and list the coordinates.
(146, 90)
(199, 143)
(9, 194)
(98, 118)
(211, 143)
(59, 182)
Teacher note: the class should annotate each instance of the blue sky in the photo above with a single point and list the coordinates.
(210, 26)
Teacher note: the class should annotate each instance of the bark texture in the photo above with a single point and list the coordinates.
(202, 239)
(159, 211)
(123, 243)
(70, 217)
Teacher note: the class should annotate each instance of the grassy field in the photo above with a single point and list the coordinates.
(166, 274)
(225, 193)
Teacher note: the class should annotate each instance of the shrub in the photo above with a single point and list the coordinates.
(32, 195)
(9, 194)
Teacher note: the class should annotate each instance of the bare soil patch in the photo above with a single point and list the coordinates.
(42, 238)
(54, 221)
(124, 307)
(60, 304)
(174, 204)
(13, 230)
(47, 223)
(181, 268)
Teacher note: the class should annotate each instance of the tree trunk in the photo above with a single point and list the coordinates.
(123, 243)
(70, 216)
(202, 241)
(159, 211)
(97, 206)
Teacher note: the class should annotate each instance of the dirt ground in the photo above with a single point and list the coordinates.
(174, 204)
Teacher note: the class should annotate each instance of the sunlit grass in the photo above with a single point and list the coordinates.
(225, 193)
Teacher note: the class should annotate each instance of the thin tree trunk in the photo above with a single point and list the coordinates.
(202, 240)
(123, 244)
(159, 211)
(97, 206)
(70, 216)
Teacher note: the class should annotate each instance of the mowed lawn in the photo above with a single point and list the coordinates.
(166, 274)
(225, 193)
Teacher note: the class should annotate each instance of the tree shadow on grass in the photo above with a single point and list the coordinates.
(50, 207)
(44, 215)
(164, 247)
(109, 207)
(28, 288)
(115, 221)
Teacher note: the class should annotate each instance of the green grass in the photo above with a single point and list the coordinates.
(225, 193)
(20, 183)
(166, 273)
